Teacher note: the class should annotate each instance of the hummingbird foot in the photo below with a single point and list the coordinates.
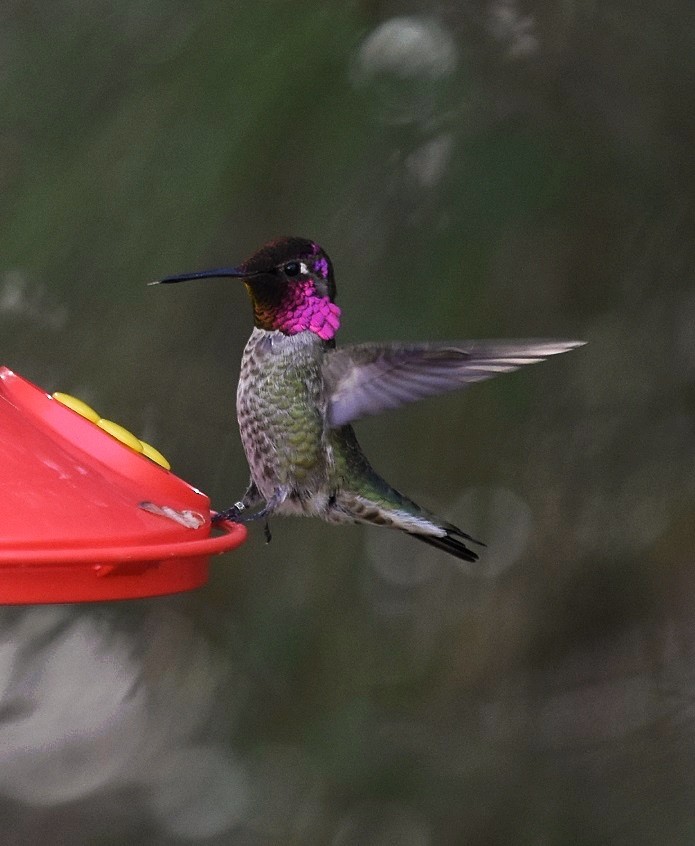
(276, 499)
(251, 498)
(235, 512)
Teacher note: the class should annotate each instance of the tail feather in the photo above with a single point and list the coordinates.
(452, 543)
(379, 504)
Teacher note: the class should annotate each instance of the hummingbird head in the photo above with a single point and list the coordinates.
(291, 285)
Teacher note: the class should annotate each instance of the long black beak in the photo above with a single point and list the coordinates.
(234, 272)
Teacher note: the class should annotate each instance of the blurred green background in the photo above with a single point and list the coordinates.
(487, 169)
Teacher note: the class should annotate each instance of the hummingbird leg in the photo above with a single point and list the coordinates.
(251, 498)
(235, 512)
(266, 532)
(276, 499)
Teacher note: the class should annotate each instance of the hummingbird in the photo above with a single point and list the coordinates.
(298, 396)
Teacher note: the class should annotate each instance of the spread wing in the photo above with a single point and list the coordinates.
(367, 379)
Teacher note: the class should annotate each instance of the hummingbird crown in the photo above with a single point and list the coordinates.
(292, 288)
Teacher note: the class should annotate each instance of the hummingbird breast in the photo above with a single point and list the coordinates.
(281, 409)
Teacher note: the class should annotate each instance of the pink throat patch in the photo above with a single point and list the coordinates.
(305, 310)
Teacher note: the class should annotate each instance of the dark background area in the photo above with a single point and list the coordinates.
(485, 169)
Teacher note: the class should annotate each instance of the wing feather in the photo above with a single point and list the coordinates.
(367, 379)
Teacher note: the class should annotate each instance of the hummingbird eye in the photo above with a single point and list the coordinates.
(291, 268)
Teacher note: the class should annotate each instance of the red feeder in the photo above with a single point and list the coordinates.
(87, 518)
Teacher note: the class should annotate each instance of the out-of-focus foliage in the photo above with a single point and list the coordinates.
(497, 168)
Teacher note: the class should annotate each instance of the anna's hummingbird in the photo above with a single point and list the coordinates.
(298, 395)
